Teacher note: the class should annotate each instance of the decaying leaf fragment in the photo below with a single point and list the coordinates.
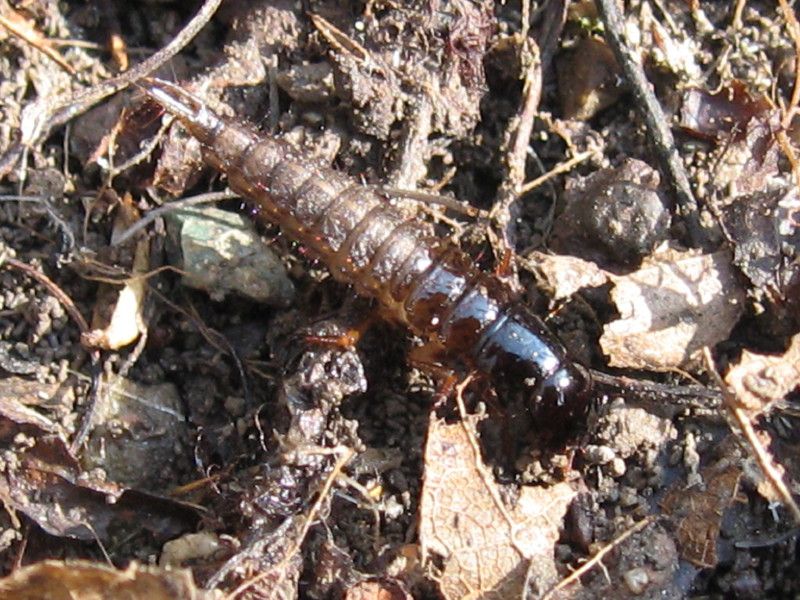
(119, 321)
(760, 380)
(677, 303)
(83, 580)
(698, 511)
(41, 479)
(563, 276)
(488, 550)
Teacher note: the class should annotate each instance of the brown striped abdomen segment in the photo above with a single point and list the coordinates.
(358, 234)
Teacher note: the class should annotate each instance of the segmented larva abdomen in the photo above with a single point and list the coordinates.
(358, 234)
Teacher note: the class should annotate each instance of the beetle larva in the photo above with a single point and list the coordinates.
(424, 282)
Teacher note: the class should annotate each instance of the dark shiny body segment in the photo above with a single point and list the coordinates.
(417, 263)
(471, 314)
(423, 282)
(434, 293)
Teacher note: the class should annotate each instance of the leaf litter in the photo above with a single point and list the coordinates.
(488, 550)
(306, 464)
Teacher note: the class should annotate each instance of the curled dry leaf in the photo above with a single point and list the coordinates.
(120, 321)
(488, 550)
(563, 276)
(83, 580)
(676, 304)
(760, 380)
(744, 126)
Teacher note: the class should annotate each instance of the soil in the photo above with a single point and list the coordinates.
(156, 418)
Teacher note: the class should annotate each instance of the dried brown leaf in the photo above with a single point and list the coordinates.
(712, 115)
(760, 380)
(42, 480)
(83, 580)
(676, 304)
(487, 550)
(764, 229)
(698, 511)
(17, 395)
(563, 276)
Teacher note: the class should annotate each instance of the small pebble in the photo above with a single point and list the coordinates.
(637, 580)
(617, 468)
(598, 455)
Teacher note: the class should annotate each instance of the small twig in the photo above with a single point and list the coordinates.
(655, 121)
(517, 141)
(794, 31)
(519, 130)
(738, 11)
(20, 27)
(740, 416)
(526, 18)
(47, 114)
(560, 168)
(154, 214)
(589, 564)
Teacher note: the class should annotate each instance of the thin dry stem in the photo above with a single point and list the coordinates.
(563, 167)
(595, 560)
(764, 459)
(19, 27)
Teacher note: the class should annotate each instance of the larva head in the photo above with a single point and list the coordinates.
(565, 393)
(530, 367)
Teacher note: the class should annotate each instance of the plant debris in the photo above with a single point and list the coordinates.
(83, 580)
(676, 304)
(487, 548)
